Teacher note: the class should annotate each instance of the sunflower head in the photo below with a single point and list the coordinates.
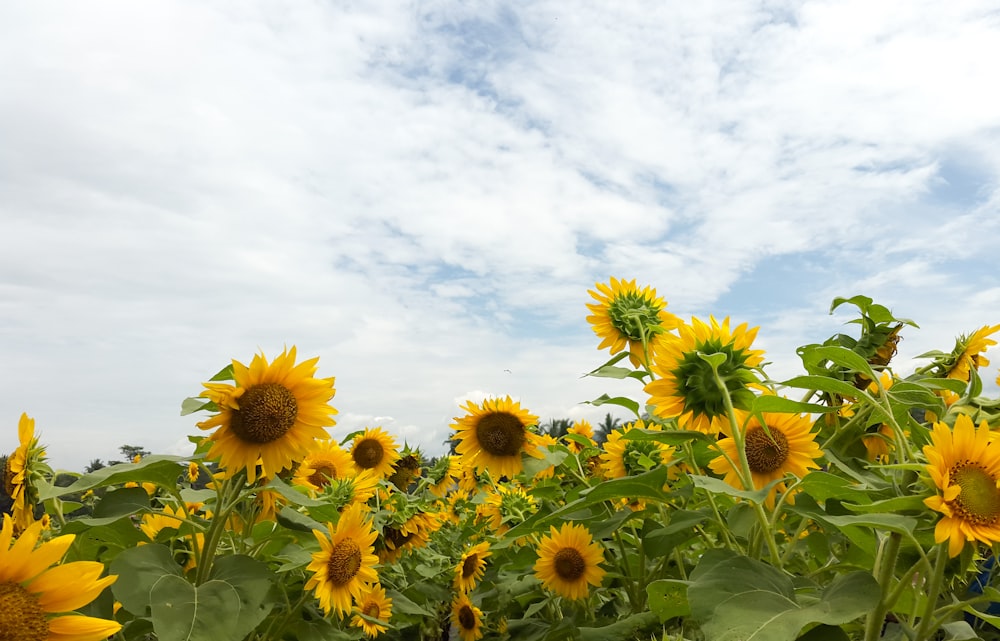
(23, 470)
(325, 463)
(506, 507)
(964, 464)
(686, 364)
(442, 475)
(582, 436)
(345, 563)
(568, 561)
(492, 436)
(627, 316)
(467, 618)
(968, 353)
(406, 470)
(471, 567)
(372, 604)
(626, 457)
(375, 450)
(270, 416)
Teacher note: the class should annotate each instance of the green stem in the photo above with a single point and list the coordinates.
(884, 570)
(931, 589)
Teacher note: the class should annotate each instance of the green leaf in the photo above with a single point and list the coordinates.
(823, 485)
(225, 374)
(138, 569)
(253, 582)
(183, 612)
(552, 457)
(825, 632)
(294, 496)
(718, 486)
(736, 598)
(623, 630)
(669, 437)
(195, 404)
(118, 503)
(609, 371)
(844, 357)
(158, 469)
(772, 403)
(292, 519)
(620, 401)
(668, 599)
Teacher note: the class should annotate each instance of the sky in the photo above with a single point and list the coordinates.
(422, 193)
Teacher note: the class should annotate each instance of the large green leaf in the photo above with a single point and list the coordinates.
(623, 630)
(158, 469)
(668, 599)
(736, 598)
(138, 569)
(253, 582)
(183, 612)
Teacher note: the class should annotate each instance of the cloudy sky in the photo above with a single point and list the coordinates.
(421, 193)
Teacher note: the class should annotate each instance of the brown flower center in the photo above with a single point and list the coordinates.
(267, 411)
(766, 453)
(372, 610)
(322, 474)
(368, 453)
(8, 477)
(979, 499)
(470, 565)
(467, 618)
(344, 562)
(21, 616)
(569, 564)
(500, 434)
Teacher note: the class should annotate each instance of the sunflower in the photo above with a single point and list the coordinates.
(493, 435)
(31, 591)
(193, 472)
(544, 441)
(472, 567)
(505, 507)
(345, 563)
(406, 470)
(272, 414)
(625, 315)
(581, 428)
(372, 603)
(443, 475)
(964, 464)
(968, 353)
(686, 388)
(414, 533)
(624, 457)
(467, 618)
(22, 471)
(325, 462)
(568, 561)
(375, 450)
(786, 447)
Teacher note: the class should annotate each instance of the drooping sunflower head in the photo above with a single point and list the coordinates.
(23, 470)
(372, 604)
(493, 435)
(442, 475)
(345, 563)
(35, 597)
(626, 457)
(471, 567)
(878, 443)
(375, 450)
(964, 464)
(686, 385)
(627, 316)
(968, 353)
(271, 415)
(781, 445)
(467, 618)
(406, 470)
(568, 561)
(325, 462)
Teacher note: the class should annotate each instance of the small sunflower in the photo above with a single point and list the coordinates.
(583, 429)
(406, 470)
(493, 435)
(472, 567)
(506, 507)
(326, 461)
(624, 457)
(626, 316)
(568, 561)
(375, 450)
(968, 353)
(372, 603)
(345, 563)
(24, 468)
(467, 618)
(33, 595)
(786, 447)
(193, 472)
(964, 464)
(443, 475)
(272, 415)
(412, 534)
(685, 387)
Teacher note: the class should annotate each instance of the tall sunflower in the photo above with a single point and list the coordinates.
(624, 457)
(272, 414)
(345, 562)
(493, 435)
(964, 464)
(568, 561)
(467, 618)
(968, 353)
(626, 316)
(372, 604)
(22, 471)
(786, 447)
(325, 462)
(471, 567)
(685, 386)
(34, 596)
(375, 450)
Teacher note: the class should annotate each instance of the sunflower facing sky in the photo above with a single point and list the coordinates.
(568, 561)
(471, 567)
(375, 450)
(34, 596)
(493, 435)
(685, 387)
(786, 447)
(345, 563)
(969, 350)
(467, 618)
(272, 415)
(625, 316)
(373, 604)
(23, 468)
(964, 464)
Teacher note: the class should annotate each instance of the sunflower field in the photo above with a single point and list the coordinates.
(850, 502)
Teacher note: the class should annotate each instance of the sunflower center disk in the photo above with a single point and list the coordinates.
(500, 434)
(467, 618)
(267, 411)
(344, 563)
(21, 617)
(569, 564)
(766, 453)
(979, 500)
(469, 566)
(368, 453)
(372, 610)
(321, 477)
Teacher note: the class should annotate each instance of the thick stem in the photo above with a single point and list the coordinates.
(884, 570)
(932, 589)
